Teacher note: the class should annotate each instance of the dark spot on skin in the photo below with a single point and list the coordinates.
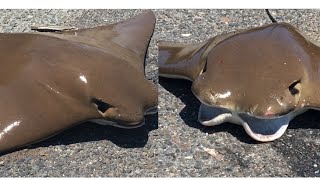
(205, 67)
(102, 106)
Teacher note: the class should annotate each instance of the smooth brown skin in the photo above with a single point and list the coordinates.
(42, 85)
(249, 71)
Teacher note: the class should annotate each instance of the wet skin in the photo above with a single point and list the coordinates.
(52, 81)
(268, 73)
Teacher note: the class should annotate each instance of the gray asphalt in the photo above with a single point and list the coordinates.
(172, 143)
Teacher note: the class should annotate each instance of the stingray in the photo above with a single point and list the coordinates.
(260, 78)
(53, 81)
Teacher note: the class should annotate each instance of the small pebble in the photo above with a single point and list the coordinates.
(185, 35)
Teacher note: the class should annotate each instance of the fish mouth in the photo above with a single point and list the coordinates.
(125, 125)
(150, 111)
(258, 128)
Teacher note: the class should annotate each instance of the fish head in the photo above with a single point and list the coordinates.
(258, 77)
(125, 100)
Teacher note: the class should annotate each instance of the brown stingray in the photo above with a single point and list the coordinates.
(260, 78)
(52, 81)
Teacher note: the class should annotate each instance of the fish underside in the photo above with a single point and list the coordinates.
(259, 128)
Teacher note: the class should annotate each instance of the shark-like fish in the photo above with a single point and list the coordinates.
(260, 78)
(52, 81)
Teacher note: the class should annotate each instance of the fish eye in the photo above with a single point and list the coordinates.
(294, 88)
(102, 106)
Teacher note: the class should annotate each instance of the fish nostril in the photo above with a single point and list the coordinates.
(294, 88)
(102, 106)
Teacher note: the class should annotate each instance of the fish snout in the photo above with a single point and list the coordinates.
(124, 117)
(272, 107)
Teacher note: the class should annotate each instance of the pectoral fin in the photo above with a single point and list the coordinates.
(179, 60)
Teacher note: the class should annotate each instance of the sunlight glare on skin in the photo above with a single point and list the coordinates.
(216, 96)
(279, 102)
(83, 78)
(269, 112)
(9, 128)
(223, 96)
